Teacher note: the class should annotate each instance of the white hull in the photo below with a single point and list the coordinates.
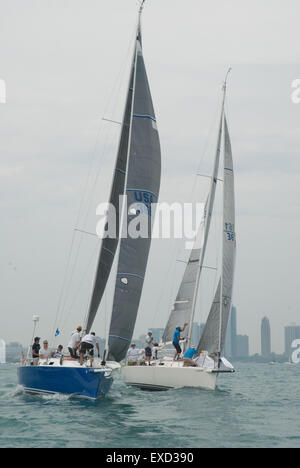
(165, 377)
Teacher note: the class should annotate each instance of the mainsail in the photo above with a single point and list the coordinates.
(229, 236)
(142, 190)
(214, 333)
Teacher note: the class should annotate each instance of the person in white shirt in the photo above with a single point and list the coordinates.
(74, 342)
(87, 346)
(45, 352)
(133, 355)
(149, 346)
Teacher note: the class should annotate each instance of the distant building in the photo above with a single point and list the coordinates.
(242, 346)
(291, 333)
(233, 331)
(265, 338)
(230, 339)
(2, 352)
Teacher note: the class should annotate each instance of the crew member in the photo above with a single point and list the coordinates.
(176, 341)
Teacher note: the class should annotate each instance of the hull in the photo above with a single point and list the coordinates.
(158, 378)
(76, 381)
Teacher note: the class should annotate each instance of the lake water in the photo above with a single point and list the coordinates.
(259, 406)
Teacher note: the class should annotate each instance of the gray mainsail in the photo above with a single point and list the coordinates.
(142, 190)
(213, 337)
(110, 244)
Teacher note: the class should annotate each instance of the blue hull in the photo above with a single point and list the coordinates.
(76, 381)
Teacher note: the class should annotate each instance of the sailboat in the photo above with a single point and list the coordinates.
(137, 175)
(2, 352)
(166, 373)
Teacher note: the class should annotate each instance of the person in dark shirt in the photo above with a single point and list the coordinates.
(176, 341)
(36, 348)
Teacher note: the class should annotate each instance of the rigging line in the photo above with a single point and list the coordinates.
(112, 121)
(116, 85)
(171, 265)
(205, 148)
(203, 156)
(78, 290)
(84, 190)
(86, 232)
(68, 284)
(84, 222)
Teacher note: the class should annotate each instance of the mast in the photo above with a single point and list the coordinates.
(208, 213)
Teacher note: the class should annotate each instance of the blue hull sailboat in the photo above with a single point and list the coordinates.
(91, 383)
(136, 175)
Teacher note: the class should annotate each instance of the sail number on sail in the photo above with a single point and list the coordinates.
(145, 198)
(230, 232)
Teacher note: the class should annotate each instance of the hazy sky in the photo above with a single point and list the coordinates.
(65, 64)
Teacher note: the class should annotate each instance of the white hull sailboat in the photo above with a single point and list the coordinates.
(203, 371)
(164, 375)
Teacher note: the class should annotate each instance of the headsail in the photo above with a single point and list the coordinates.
(182, 310)
(109, 245)
(142, 187)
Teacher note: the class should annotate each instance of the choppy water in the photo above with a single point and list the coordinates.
(259, 406)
